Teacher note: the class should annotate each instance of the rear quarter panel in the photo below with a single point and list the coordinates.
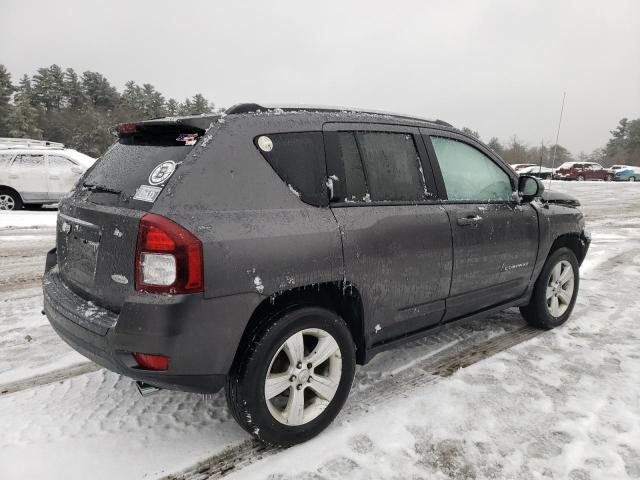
(257, 235)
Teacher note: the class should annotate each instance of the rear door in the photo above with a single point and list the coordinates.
(28, 175)
(495, 239)
(396, 235)
(595, 171)
(63, 174)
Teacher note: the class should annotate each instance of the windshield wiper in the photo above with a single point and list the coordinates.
(101, 188)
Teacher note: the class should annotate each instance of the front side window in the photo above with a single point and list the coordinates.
(29, 161)
(469, 174)
(298, 158)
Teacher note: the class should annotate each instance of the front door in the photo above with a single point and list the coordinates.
(27, 175)
(395, 233)
(495, 238)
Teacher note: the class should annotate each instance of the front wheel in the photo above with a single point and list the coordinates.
(632, 179)
(555, 292)
(580, 178)
(608, 178)
(293, 377)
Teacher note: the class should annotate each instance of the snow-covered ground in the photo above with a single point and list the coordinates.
(565, 404)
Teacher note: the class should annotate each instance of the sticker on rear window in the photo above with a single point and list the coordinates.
(147, 193)
(162, 172)
(188, 138)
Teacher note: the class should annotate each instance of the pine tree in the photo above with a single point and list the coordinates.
(617, 143)
(6, 91)
(131, 98)
(199, 104)
(186, 108)
(23, 120)
(98, 91)
(49, 88)
(153, 106)
(172, 107)
(74, 96)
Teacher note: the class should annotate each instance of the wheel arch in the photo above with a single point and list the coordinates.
(338, 296)
(572, 241)
(10, 189)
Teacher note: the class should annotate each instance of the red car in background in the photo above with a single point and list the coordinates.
(581, 171)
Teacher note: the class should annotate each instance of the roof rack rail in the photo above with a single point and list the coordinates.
(6, 143)
(255, 107)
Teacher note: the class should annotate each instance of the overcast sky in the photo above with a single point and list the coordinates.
(499, 67)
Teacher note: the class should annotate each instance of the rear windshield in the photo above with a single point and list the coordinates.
(124, 168)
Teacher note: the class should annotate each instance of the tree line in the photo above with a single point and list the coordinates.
(623, 147)
(79, 110)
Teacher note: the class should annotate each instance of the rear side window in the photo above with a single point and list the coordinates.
(58, 162)
(298, 158)
(28, 161)
(354, 180)
(391, 166)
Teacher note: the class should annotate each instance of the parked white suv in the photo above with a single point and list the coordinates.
(33, 172)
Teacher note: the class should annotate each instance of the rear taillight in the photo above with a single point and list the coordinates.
(168, 257)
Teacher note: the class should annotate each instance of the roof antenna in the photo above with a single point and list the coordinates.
(553, 159)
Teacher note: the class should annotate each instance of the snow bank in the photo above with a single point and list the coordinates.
(27, 219)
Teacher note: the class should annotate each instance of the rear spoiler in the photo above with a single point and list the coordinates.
(169, 125)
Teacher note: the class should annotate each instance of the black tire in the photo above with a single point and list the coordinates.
(245, 388)
(537, 313)
(632, 179)
(580, 178)
(608, 178)
(15, 201)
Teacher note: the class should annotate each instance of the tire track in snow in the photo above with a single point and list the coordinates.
(460, 354)
(50, 377)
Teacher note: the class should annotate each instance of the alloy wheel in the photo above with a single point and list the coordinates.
(560, 288)
(303, 377)
(7, 202)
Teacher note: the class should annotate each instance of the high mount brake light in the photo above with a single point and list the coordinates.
(168, 257)
(126, 128)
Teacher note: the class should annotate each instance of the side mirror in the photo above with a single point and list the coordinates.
(529, 187)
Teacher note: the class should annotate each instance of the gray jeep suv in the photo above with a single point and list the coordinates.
(269, 250)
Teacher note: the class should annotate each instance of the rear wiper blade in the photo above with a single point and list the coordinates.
(101, 188)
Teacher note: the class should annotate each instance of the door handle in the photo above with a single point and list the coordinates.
(13, 176)
(470, 220)
(54, 177)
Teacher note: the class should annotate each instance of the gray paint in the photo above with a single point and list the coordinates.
(411, 262)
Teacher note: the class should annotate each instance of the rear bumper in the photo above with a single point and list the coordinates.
(200, 336)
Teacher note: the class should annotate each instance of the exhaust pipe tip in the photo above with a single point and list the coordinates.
(145, 389)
